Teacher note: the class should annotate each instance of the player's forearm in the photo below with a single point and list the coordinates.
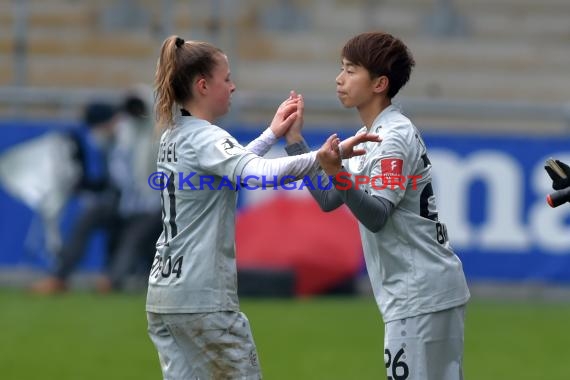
(263, 143)
(373, 212)
(323, 193)
(328, 200)
(294, 138)
(260, 171)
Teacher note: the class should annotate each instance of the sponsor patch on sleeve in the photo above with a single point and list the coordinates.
(391, 166)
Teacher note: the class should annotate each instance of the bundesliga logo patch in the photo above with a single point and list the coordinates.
(391, 166)
(229, 147)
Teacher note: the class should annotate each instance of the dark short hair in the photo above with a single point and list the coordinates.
(135, 106)
(99, 112)
(381, 54)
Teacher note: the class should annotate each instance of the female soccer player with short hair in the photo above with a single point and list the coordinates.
(418, 281)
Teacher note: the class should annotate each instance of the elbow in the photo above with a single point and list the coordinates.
(373, 228)
(327, 207)
(376, 226)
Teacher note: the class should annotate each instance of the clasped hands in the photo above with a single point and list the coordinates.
(288, 122)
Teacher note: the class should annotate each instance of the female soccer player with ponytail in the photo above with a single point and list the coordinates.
(192, 306)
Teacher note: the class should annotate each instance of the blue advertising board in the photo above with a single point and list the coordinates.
(490, 192)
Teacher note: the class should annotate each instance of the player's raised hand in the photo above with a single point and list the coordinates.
(285, 115)
(347, 147)
(332, 152)
(294, 133)
(329, 155)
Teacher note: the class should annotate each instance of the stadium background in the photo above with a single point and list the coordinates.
(490, 93)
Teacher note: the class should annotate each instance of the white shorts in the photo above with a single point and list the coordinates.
(204, 346)
(426, 347)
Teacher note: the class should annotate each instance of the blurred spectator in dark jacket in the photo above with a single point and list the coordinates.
(117, 198)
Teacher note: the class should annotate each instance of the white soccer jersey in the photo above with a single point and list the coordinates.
(194, 268)
(411, 265)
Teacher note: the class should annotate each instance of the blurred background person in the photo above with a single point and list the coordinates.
(98, 193)
(115, 193)
(131, 163)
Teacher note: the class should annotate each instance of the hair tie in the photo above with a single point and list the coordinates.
(179, 42)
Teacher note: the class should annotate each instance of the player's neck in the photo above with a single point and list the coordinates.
(200, 110)
(369, 112)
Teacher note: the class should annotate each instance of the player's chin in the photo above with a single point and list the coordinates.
(345, 102)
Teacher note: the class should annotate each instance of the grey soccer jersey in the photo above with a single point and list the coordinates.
(411, 265)
(194, 268)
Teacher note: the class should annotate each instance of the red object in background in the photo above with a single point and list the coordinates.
(323, 249)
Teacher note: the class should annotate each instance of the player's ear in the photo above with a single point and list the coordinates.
(201, 85)
(381, 84)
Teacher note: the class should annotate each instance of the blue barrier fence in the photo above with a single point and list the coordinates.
(491, 195)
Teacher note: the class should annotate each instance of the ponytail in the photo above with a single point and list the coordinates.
(164, 94)
(178, 65)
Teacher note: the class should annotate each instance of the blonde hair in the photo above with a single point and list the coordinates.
(179, 63)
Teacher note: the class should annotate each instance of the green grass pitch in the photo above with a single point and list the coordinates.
(81, 336)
